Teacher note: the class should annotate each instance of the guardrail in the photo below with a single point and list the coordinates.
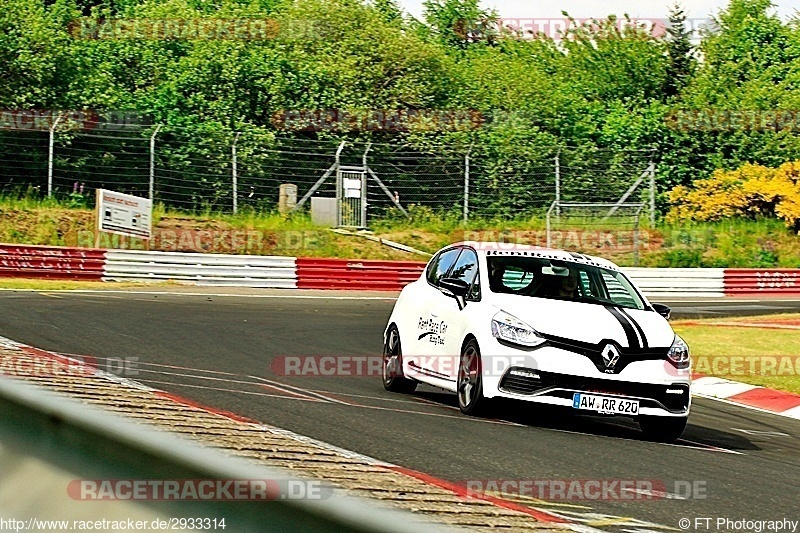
(678, 282)
(203, 269)
(54, 442)
(762, 282)
(51, 262)
(356, 274)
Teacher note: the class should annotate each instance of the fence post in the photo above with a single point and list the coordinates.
(235, 177)
(153, 162)
(558, 182)
(466, 184)
(50, 156)
(364, 166)
(652, 169)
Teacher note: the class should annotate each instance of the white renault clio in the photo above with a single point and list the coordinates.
(495, 320)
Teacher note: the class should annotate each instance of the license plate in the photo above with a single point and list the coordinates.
(605, 404)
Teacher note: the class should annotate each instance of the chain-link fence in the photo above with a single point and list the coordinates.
(196, 171)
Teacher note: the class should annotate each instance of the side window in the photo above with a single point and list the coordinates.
(617, 292)
(441, 264)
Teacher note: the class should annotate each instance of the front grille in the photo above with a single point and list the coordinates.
(655, 395)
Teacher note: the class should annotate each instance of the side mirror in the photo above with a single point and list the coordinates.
(456, 288)
(662, 310)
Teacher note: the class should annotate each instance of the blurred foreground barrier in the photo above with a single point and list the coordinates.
(356, 274)
(204, 269)
(762, 282)
(53, 448)
(51, 262)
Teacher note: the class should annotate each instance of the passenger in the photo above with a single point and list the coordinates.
(496, 276)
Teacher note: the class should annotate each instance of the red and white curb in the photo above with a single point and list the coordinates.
(770, 400)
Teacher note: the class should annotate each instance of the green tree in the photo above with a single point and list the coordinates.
(459, 23)
(679, 51)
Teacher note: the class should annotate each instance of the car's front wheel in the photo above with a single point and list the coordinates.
(393, 378)
(662, 429)
(470, 381)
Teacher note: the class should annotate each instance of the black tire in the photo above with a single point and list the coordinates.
(662, 429)
(470, 381)
(392, 373)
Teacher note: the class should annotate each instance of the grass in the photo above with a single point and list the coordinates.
(27, 218)
(757, 355)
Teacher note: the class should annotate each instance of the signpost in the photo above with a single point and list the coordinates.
(123, 214)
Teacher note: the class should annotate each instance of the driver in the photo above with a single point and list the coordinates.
(569, 285)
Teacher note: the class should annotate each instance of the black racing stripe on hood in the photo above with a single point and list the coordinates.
(637, 326)
(633, 340)
(593, 351)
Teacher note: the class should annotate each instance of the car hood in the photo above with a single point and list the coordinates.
(590, 323)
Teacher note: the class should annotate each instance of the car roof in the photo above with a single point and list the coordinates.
(508, 249)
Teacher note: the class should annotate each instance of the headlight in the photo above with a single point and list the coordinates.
(511, 329)
(678, 353)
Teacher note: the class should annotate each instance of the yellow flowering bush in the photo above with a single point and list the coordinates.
(750, 190)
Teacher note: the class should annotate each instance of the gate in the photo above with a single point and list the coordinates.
(351, 197)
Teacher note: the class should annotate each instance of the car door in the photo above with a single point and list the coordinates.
(453, 320)
(426, 336)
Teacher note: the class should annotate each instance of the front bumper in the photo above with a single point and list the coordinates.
(552, 375)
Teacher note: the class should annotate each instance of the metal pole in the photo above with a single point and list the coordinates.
(558, 183)
(153, 162)
(319, 182)
(235, 185)
(339, 198)
(364, 187)
(652, 169)
(636, 239)
(466, 187)
(50, 155)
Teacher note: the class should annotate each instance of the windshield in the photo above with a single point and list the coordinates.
(561, 280)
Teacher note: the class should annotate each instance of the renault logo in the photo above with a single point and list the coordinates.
(610, 356)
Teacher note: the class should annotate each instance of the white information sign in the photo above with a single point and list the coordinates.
(124, 214)
(352, 188)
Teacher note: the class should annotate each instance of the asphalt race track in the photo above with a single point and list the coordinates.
(226, 351)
